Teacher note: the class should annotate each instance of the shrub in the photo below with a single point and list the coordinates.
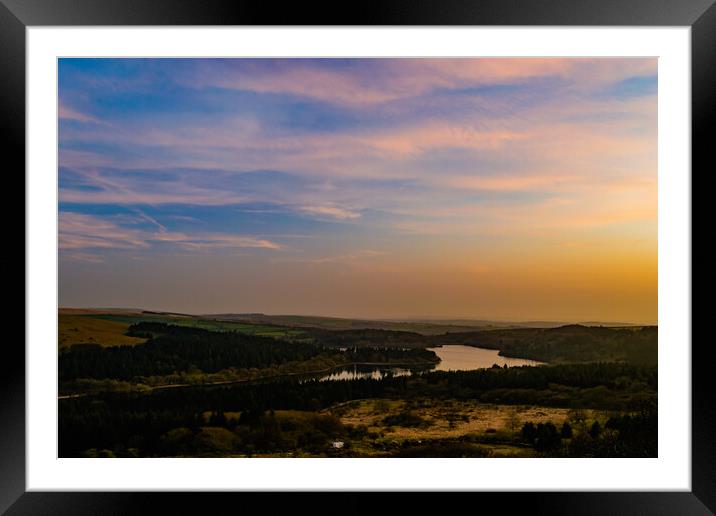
(215, 441)
(405, 419)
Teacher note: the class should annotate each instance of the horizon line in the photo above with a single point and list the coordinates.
(413, 318)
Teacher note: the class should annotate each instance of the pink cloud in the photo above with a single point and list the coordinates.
(422, 139)
(508, 183)
(83, 257)
(66, 113)
(400, 78)
(214, 241)
(80, 231)
(331, 211)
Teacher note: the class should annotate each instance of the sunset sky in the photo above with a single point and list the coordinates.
(511, 189)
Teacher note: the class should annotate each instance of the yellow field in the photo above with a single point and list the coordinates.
(448, 419)
(79, 329)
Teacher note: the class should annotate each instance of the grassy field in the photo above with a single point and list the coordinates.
(82, 329)
(264, 330)
(337, 323)
(109, 328)
(445, 419)
(491, 426)
(423, 327)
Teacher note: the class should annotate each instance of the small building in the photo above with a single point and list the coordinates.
(338, 444)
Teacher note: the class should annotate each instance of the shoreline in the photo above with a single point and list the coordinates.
(249, 380)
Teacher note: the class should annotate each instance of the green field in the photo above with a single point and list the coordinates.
(109, 329)
(338, 324)
(264, 330)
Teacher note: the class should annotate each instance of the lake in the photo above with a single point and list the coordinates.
(468, 358)
(452, 358)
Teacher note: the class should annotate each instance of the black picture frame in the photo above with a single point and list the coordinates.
(17, 15)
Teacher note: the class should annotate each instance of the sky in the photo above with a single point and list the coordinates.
(507, 189)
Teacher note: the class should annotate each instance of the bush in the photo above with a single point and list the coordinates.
(455, 449)
(405, 419)
(543, 436)
(529, 432)
(547, 437)
(177, 441)
(215, 441)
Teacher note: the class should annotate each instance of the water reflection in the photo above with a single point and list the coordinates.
(368, 372)
(452, 358)
(468, 358)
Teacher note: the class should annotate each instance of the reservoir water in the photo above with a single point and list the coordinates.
(468, 358)
(452, 358)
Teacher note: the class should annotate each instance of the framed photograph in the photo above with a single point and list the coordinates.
(422, 248)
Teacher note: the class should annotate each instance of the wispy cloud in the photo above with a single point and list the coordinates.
(82, 231)
(79, 231)
(66, 113)
(213, 241)
(364, 82)
(331, 211)
(355, 258)
(83, 257)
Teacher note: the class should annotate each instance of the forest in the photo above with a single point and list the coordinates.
(172, 349)
(118, 421)
(571, 343)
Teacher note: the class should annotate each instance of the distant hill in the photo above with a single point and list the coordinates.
(92, 311)
(425, 326)
(483, 323)
(77, 328)
(578, 343)
(337, 323)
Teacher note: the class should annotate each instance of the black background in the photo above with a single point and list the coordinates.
(16, 15)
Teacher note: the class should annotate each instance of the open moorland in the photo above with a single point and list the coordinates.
(83, 329)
